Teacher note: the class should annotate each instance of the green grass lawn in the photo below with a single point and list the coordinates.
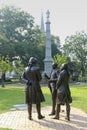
(79, 95)
(10, 96)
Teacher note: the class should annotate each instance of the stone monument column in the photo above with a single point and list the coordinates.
(48, 57)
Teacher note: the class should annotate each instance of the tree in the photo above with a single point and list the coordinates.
(17, 67)
(56, 47)
(60, 59)
(15, 25)
(21, 38)
(6, 47)
(76, 47)
(4, 66)
(18, 35)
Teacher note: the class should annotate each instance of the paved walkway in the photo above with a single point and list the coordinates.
(17, 120)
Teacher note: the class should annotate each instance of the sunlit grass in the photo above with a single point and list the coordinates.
(10, 96)
(79, 95)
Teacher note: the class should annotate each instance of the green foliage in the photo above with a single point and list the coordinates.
(13, 22)
(60, 59)
(56, 47)
(4, 64)
(20, 37)
(18, 66)
(15, 29)
(75, 47)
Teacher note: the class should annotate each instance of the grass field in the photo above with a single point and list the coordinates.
(10, 96)
(79, 95)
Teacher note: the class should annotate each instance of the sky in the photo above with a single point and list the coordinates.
(66, 16)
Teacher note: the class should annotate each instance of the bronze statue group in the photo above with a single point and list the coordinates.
(58, 82)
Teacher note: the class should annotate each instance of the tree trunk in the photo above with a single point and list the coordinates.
(3, 80)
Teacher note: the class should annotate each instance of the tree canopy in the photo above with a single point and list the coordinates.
(19, 36)
(76, 47)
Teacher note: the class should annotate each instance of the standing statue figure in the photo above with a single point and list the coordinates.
(52, 85)
(33, 92)
(63, 91)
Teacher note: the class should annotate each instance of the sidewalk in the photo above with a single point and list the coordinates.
(17, 120)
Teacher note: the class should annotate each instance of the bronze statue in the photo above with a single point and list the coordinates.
(52, 85)
(63, 91)
(33, 92)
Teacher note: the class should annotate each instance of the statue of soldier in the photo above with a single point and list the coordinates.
(33, 92)
(63, 91)
(52, 85)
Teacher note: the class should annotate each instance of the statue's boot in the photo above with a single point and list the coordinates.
(53, 109)
(67, 112)
(38, 106)
(57, 112)
(67, 115)
(30, 111)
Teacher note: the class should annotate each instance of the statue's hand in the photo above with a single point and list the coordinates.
(46, 76)
(50, 80)
(29, 83)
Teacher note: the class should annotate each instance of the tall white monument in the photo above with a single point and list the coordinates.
(48, 57)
